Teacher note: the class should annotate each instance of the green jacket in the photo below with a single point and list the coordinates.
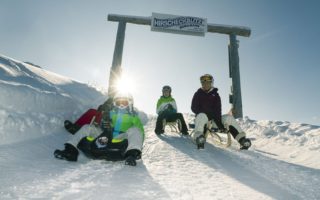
(121, 122)
(164, 102)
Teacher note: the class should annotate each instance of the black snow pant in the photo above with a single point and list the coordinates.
(170, 118)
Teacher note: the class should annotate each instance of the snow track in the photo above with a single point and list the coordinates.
(171, 168)
(188, 173)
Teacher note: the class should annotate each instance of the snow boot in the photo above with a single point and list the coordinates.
(245, 143)
(70, 153)
(71, 127)
(159, 132)
(184, 132)
(131, 157)
(200, 142)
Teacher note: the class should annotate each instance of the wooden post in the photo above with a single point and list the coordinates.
(115, 71)
(235, 97)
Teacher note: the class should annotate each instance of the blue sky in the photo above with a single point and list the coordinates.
(279, 62)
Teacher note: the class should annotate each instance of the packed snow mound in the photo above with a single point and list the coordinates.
(293, 142)
(35, 101)
(31, 89)
(294, 134)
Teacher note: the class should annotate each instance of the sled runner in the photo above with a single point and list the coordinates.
(221, 139)
(175, 126)
(102, 147)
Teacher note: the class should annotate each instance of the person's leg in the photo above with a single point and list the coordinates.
(236, 131)
(135, 142)
(87, 117)
(231, 124)
(83, 120)
(85, 131)
(184, 128)
(200, 121)
(159, 126)
(135, 139)
(70, 152)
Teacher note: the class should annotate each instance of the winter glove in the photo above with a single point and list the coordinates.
(102, 141)
(100, 108)
(105, 124)
(106, 106)
(169, 110)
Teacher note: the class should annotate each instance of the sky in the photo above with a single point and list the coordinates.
(278, 63)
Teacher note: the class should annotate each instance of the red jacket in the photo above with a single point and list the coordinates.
(208, 103)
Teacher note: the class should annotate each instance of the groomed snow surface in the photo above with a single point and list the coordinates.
(283, 162)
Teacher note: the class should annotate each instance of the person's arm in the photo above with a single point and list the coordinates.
(137, 123)
(217, 114)
(174, 105)
(195, 104)
(159, 106)
(107, 105)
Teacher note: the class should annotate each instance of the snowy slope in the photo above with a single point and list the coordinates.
(33, 99)
(283, 162)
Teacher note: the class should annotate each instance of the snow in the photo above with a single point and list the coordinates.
(283, 162)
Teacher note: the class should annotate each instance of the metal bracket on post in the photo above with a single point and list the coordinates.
(235, 76)
(115, 71)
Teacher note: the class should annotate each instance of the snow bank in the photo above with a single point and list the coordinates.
(35, 102)
(297, 142)
(283, 162)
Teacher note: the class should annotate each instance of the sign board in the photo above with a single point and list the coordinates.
(178, 24)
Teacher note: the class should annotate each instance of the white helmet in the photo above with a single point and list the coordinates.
(123, 101)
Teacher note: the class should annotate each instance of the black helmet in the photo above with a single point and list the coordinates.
(206, 78)
(166, 88)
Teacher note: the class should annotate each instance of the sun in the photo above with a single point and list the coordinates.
(125, 84)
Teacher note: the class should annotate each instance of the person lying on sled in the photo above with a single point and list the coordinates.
(167, 109)
(87, 117)
(119, 137)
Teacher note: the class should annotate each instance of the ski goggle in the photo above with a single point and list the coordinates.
(206, 78)
(123, 102)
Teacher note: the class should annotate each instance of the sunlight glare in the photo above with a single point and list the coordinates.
(125, 84)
